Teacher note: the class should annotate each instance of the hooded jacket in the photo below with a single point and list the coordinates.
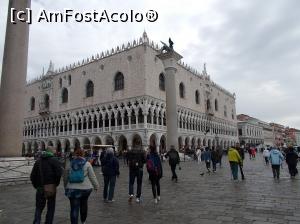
(110, 165)
(136, 159)
(291, 158)
(234, 156)
(51, 171)
(276, 157)
(266, 153)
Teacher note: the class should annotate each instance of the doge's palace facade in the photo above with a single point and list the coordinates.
(118, 97)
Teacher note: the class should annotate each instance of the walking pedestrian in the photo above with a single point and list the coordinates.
(198, 154)
(276, 159)
(174, 159)
(79, 181)
(241, 150)
(266, 155)
(253, 152)
(220, 154)
(136, 160)
(154, 169)
(45, 177)
(102, 155)
(292, 160)
(214, 159)
(110, 173)
(207, 158)
(234, 160)
(124, 155)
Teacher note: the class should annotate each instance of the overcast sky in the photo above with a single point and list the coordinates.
(251, 47)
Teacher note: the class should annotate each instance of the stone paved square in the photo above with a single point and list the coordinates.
(213, 198)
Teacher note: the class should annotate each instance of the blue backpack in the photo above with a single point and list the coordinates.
(76, 174)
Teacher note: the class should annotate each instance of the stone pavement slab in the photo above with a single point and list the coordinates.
(212, 198)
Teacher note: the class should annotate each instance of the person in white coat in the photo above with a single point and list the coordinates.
(266, 155)
(198, 154)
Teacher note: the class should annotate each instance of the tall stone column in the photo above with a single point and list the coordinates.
(169, 60)
(13, 80)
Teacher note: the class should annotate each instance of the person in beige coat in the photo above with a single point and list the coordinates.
(79, 181)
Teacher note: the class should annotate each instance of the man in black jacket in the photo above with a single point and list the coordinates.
(174, 159)
(136, 160)
(291, 159)
(46, 171)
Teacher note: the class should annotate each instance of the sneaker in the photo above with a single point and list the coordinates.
(130, 198)
(110, 201)
(158, 198)
(137, 200)
(155, 200)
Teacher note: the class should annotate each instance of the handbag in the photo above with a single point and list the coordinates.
(49, 189)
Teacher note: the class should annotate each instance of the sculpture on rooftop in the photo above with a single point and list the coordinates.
(167, 48)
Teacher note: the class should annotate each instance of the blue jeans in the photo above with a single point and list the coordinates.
(109, 187)
(79, 204)
(138, 174)
(234, 169)
(40, 203)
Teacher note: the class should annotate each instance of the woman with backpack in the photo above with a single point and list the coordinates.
(110, 169)
(154, 169)
(79, 181)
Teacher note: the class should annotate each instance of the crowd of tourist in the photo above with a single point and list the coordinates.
(80, 180)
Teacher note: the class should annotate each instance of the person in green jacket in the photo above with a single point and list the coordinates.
(235, 160)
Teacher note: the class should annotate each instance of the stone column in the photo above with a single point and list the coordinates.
(13, 80)
(93, 120)
(103, 123)
(122, 117)
(129, 121)
(109, 122)
(98, 120)
(169, 60)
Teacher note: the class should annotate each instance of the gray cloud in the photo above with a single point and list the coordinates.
(251, 47)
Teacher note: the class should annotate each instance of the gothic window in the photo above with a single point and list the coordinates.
(232, 115)
(69, 80)
(89, 89)
(162, 82)
(60, 82)
(181, 90)
(64, 95)
(140, 116)
(32, 103)
(208, 106)
(119, 81)
(46, 101)
(216, 105)
(225, 111)
(197, 98)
